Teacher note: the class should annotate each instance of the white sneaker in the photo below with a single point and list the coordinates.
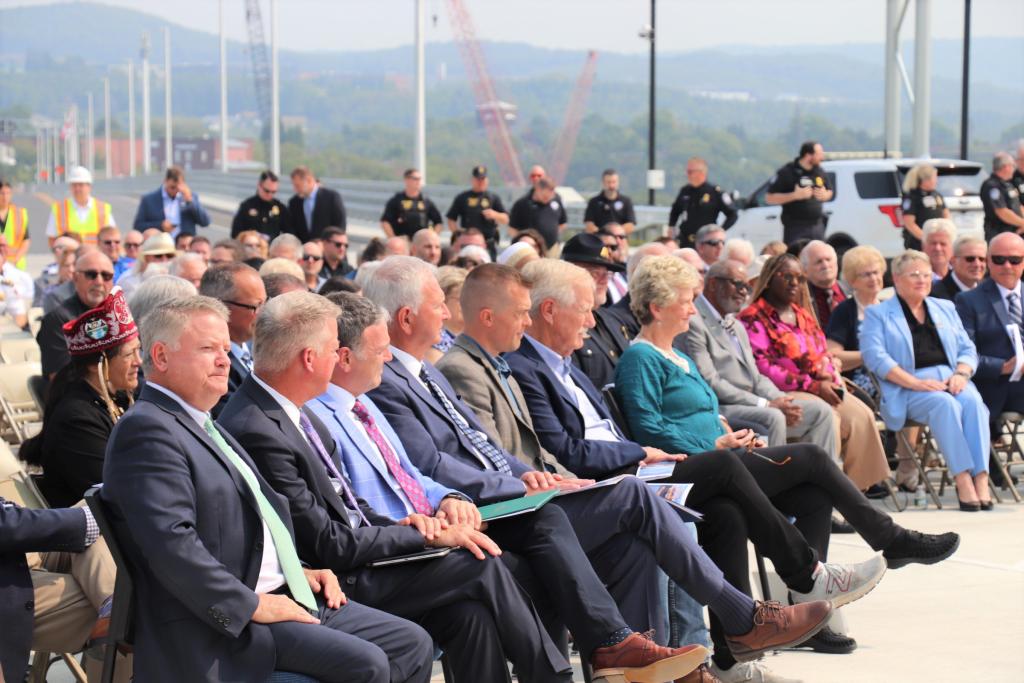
(749, 672)
(841, 583)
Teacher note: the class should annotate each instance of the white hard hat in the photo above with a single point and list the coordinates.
(80, 174)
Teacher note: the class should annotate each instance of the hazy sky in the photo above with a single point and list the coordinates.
(610, 25)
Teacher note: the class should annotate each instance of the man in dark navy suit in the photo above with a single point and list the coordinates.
(221, 594)
(174, 208)
(313, 208)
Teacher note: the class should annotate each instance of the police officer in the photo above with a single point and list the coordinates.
(699, 203)
(541, 209)
(263, 212)
(609, 206)
(409, 211)
(1018, 174)
(1001, 199)
(478, 208)
(802, 189)
(921, 202)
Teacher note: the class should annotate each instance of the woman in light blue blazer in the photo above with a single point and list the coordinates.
(918, 348)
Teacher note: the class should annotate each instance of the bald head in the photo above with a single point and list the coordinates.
(94, 277)
(495, 304)
(1003, 247)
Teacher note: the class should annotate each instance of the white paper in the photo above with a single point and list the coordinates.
(1018, 349)
(659, 470)
(596, 485)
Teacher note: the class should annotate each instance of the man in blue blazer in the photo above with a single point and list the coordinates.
(611, 523)
(546, 549)
(174, 208)
(220, 592)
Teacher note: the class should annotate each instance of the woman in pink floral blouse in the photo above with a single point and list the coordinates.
(789, 347)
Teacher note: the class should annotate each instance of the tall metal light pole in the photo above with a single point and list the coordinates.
(90, 150)
(420, 160)
(648, 32)
(131, 119)
(107, 147)
(223, 91)
(965, 83)
(168, 123)
(39, 155)
(921, 141)
(275, 95)
(147, 147)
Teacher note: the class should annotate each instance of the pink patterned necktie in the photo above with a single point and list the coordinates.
(411, 487)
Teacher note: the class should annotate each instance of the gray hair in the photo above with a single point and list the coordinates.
(219, 281)
(285, 241)
(968, 241)
(281, 265)
(706, 230)
(286, 325)
(642, 252)
(277, 284)
(365, 272)
(357, 314)
(658, 282)
(155, 292)
(805, 253)
(735, 245)
(554, 279)
(906, 258)
(1001, 160)
(166, 322)
(398, 282)
(937, 225)
(181, 259)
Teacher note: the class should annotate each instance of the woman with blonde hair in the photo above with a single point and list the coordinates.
(254, 244)
(921, 202)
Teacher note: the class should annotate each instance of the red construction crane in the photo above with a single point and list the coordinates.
(489, 107)
(566, 142)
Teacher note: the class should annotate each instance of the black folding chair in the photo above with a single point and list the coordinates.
(608, 394)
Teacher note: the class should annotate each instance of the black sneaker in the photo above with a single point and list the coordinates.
(840, 526)
(829, 642)
(877, 492)
(914, 547)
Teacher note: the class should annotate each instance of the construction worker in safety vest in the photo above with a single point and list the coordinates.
(80, 214)
(14, 226)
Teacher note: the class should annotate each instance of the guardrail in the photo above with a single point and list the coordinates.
(365, 199)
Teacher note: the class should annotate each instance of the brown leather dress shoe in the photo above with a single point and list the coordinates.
(638, 659)
(702, 674)
(776, 627)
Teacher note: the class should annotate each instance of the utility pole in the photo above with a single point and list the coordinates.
(420, 160)
(107, 147)
(655, 178)
(223, 91)
(965, 83)
(147, 146)
(131, 119)
(922, 78)
(39, 156)
(56, 153)
(90, 150)
(275, 95)
(168, 132)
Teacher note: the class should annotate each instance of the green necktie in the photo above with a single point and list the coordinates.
(286, 554)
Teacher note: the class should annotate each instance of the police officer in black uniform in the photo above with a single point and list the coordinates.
(541, 209)
(609, 206)
(262, 212)
(479, 208)
(1001, 199)
(921, 202)
(699, 203)
(802, 189)
(1018, 173)
(409, 211)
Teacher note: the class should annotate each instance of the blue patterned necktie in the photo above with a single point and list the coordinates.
(479, 441)
(332, 469)
(1013, 308)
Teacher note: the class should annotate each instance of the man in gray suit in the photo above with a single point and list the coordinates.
(721, 348)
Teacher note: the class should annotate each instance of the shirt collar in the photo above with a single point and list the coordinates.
(497, 362)
(1003, 291)
(557, 364)
(959, 283)
(290, 409)
(714, 311)
(312, 195)
(167, 197)
(239, 350)
(341, 397)
(411, 364)
(198, 415)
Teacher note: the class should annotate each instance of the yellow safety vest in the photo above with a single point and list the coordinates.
(66, 220)
(16, 230)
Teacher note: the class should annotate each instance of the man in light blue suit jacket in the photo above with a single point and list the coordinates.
(928, 382)
(173, 208)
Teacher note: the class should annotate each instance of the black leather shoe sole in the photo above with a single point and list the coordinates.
(829, 642)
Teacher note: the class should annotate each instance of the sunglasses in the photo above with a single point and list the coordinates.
(1002, 260)
(973, 259)
(311, 257)
(714, 243)
(339, 245)
(263, 189)
(132, 245)
(93, 274)
(111, 242)
(740, 285)
(160, 257)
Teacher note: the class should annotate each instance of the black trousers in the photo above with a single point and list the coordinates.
(559, 577)
(474, 609)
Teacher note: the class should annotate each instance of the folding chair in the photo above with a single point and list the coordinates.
(37, 388)
(18, 349)
(608, 393)
(16, 402)
(1009, 425)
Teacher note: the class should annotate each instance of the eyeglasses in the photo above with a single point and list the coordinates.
(973, 259)
(797, 278)
(714, 243)
(415, 177)
(111, 242)
(311, 257)
(268, 191)
(740, 285)
(132, 245)
(339, 245)
(249, 307)
(918, 275)
(869, 273)
(1000, 260)
(93, 274)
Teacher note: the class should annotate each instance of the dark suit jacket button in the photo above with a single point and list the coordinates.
(350, 580)
(30, 605)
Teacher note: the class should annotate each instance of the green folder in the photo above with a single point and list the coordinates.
(516, 506)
